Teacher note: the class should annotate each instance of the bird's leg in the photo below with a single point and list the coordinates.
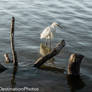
(46, 42)
(50, 42)
(41, 40)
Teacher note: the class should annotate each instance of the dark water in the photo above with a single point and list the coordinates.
(32, 16)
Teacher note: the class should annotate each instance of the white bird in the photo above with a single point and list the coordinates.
(48, 32)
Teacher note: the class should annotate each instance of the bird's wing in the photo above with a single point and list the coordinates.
(50, 36)
(45, 33)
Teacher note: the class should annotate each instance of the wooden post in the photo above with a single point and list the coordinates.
(12, 41)
(74, 64)
(53, 53)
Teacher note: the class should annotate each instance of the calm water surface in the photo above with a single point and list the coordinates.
(32, 16)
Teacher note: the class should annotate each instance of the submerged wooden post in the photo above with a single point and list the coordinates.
(2, 68)
(74, 64)
(12, 41)
(53, 53)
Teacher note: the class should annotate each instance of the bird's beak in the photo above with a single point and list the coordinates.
(59, 26)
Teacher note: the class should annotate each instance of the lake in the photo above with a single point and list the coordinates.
(31, 17)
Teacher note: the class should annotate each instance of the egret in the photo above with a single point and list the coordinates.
(48, 32)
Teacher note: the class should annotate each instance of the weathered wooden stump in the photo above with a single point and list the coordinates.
(7, 59)
(53, 53)
(74, 64)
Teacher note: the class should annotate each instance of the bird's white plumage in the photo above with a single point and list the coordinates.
(48, 32)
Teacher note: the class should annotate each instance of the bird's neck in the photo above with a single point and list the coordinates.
(53, 28)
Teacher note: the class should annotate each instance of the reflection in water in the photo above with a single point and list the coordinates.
(53, 69)
(15, 68)
(75, 83)
(44, 50)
